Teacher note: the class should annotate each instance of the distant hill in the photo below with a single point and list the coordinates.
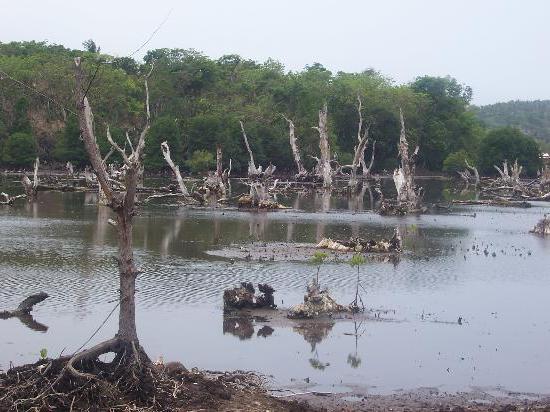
(532, 117)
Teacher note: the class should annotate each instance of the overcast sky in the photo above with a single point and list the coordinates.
(499, 47)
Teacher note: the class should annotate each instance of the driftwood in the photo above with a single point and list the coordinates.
(31, 188)
(6, 199)
(23, 312)
(393, 245)
(244, 297)
(542, 227)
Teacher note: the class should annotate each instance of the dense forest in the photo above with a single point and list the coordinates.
(531, 117)
(197, 102)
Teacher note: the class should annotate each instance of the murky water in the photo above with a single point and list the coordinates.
(64, 246)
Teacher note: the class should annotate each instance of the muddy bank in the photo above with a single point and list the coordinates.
(423, 399)
(291, 252)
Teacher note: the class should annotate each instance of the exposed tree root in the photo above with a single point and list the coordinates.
(129, 382)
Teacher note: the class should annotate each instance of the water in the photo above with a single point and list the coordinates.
(64, 246)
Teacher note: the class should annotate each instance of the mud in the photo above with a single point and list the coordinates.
(292, 252)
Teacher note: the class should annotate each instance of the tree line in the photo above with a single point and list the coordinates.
(197, 102)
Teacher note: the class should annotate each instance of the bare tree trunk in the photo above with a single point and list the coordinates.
(294, 146)
(31, 187)
(404, 176)
(362, 142)
(219, 161)
(166, 153)
(367, 170)
(473, 169)
(324, 167)
(252, 170)
(123, 204)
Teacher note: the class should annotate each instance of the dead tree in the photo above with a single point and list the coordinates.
(31, 187)
(253, 171)
(302, 172)
(367, 170)
(70, 168)
(323, 167)
(123, 203)
(545, 178)
(359, 150)
(510, 175)
(408, 195)
(175, 169)
(215, 182)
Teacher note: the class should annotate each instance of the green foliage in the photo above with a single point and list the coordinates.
(357, 260)
(162, 129)
(447, 126)
(69, 146)
(510, 144)
(19, 149)
(456, 161)
(530, 117)
(43, 353)
(200, 161)
(196, 103)
(318, 258)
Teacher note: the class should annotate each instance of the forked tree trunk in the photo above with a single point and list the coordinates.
(123, 204)
(31, 188)
(324, 168)
(474, 170)
(362, 142)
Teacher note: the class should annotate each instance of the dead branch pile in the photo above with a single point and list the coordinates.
(170, 387)
(357, 244)
(542, 227)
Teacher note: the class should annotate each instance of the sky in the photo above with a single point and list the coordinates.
(498, 47)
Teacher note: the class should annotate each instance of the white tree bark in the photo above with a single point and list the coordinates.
(474, 170)
(403, 177)
(31, 188)
(175, 169)
(252, 169)
(359, 150)
(294, 146)
(323, 167)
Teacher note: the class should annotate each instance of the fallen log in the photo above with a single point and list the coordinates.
(25, 307)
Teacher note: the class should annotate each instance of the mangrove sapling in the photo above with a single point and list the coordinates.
(318, 259)
(357, 260)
